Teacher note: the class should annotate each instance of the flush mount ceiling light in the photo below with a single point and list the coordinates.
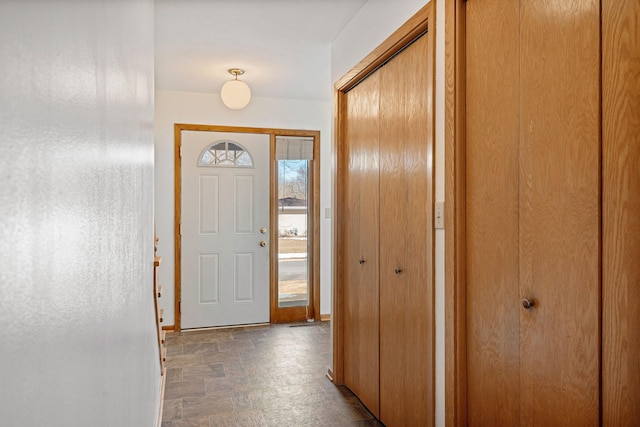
(235, 93)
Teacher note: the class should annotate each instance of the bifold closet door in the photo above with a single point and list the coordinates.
(560, 212)
(406, 238)
(361, 330)
(533, 212)
(493, 297)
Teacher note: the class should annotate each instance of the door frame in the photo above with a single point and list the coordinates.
(417, 25)
(455, 219)
(277, 314)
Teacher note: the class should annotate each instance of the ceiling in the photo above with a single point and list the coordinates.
(283, 45)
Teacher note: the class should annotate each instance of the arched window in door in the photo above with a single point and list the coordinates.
(225, 154)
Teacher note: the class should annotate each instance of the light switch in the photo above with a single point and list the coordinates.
(438, 215)
(327, 212)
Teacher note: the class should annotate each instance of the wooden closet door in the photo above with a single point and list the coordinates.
(361, 292)
(493, 298)
(560, 212)
(532, 212)
(406, 238)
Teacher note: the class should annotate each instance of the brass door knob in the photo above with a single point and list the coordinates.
(528, 303)
(263, 230)
(263, 243)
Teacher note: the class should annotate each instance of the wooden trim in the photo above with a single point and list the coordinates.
(289, 314)
(400, 39)
(325, 317)
(455, 302)
(339, 270)
(620, 326)
(170, 328)
(273, 234)
(277, 314)
(314, 305)
(177, 220)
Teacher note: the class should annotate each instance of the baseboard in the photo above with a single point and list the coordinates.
(171, 328)
(325, 317)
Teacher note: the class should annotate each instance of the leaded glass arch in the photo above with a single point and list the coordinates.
(225, 154)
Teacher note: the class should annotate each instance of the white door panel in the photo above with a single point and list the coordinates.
(225, 271)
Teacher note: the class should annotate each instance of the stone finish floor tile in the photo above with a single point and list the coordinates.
(271, 375)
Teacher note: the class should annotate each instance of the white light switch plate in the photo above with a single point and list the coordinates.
(438, 215)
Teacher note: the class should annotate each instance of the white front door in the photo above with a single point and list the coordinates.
(225, 219)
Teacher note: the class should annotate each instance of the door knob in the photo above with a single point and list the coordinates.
(263, 230)
(528, 303)
(362, 261)
(398, 270)
(263, 243)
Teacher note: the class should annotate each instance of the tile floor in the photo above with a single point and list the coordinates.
(256, 376)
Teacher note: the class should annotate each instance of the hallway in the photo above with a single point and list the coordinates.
(256, 376)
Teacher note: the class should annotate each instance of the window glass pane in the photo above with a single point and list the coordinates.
(225, 153)
(293, 219)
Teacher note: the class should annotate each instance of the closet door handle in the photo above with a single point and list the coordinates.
(528, 303)
(362, 261)
(398, 270)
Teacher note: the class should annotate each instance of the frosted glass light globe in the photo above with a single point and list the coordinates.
(235, 94)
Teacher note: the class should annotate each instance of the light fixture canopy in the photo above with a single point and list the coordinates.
(235, 93)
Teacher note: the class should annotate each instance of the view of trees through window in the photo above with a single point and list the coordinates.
(293, 180)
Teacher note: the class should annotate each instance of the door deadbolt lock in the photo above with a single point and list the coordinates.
(263, 230)
(263, 243)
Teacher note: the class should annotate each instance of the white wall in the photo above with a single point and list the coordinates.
(78, 341)
(207, 108)
(376, 21)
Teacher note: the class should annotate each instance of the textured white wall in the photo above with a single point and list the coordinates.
(355, 42)
(77, 342)
(207, 109)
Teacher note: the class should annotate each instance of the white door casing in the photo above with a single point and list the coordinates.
(225, 217)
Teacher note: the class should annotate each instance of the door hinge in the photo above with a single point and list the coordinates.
(179, 307)
(180, 151)
(181, 229)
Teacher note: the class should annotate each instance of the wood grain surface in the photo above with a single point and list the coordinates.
(404, 221)
(559, 212)
(455, 215)
(621, 212)
(579, 204)
(492, 212)
(406, 236)
(361, 242)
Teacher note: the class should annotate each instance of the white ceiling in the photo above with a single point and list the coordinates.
(283, 45)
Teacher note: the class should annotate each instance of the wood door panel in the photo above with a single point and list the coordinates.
(406, 191)
(492, 213)
(392, 251)
(388, 145)
(361, 339)
(621, 213)
(559, 212)
(418, 213)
